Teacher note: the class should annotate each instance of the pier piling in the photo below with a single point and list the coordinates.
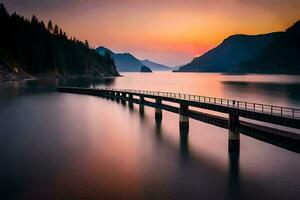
(141, 107)
(130, 103)
(123, 94)
(234, 135)
(183, 118)
(158, 110)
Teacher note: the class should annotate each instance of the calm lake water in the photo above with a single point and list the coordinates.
(68, 146)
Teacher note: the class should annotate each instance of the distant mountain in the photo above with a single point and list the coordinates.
(155, 66)
(230, 53)
(281, 56)
(176, 68)
(145, 69)
(126, 62)
(102, 50)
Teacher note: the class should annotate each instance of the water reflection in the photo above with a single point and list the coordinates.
(273, 90)
(130, 105)
(158, 129)
(142, 111)
(233, 179)
(93, 145)
(86, 82)
(185, 157)
(184, 143)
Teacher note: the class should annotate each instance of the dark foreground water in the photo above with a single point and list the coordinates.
(67, 146)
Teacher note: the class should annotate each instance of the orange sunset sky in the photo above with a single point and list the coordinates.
(171, 32)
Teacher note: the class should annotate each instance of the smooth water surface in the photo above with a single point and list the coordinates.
(68, 146)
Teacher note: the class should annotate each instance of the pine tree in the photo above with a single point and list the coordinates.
(56, 30)
(87, 44)
(50, 26)
(42, 24)
(3, 12)
(34, 20)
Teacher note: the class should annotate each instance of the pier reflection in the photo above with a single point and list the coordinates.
(233, 174)
(130, 105)
(186, 156)
(142, 111)
(184, 143)
(86, 82)
(158, 130)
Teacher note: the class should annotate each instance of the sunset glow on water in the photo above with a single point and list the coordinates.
(150, 100)
(84, 147)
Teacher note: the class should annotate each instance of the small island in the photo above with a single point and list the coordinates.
(145, 69)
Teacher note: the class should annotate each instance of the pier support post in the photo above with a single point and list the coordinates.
(101, 93)
(130, 103)
(234, 135)
(112, 95)
(158, 110)
(123, 98)
(115, 95)
(118, 96)
(183, 118)
(141, 108)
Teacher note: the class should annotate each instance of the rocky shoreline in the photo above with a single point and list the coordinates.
(16, 74)
(9, 74)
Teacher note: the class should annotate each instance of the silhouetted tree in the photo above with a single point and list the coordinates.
(56, 30)
(3, 12)
(87, 44)
(43, 24)
(34, 20)
(50, 26)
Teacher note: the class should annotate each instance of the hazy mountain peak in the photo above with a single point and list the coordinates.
(102, 50)
(126, 62)
(155, 66)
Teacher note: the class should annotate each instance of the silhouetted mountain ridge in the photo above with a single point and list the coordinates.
(126, 62)
(230, 53)
(281, 56)
(145, 69)
(155, 66)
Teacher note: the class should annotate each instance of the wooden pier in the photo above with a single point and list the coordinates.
(276, 115)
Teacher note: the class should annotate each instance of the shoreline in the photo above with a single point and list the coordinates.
(10, 77)
(237, 73)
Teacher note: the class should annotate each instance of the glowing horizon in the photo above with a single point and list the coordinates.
(168, 32)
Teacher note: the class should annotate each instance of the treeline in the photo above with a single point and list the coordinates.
(38, 48)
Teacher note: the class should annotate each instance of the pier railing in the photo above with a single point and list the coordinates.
(256, 107)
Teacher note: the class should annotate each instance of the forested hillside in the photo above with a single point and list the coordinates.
(36, 48)
(230, 53)
(281, 56)
(272, 53)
